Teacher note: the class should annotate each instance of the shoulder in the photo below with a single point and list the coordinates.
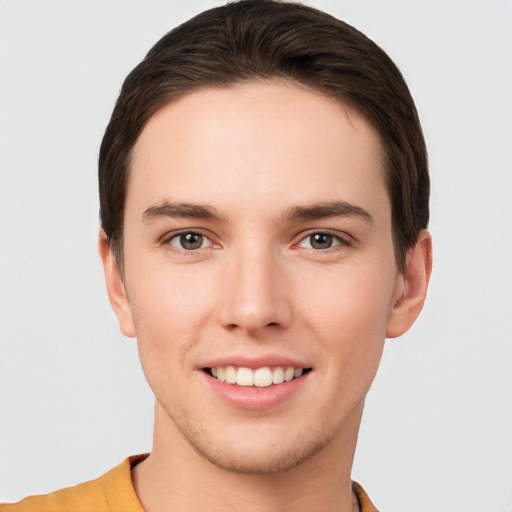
(365, 504)
(111, 492)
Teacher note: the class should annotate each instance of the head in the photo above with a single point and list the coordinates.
(264, 194)
(258, 40)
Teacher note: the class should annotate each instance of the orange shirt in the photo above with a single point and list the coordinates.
(112, 492)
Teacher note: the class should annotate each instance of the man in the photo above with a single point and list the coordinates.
(264, 204)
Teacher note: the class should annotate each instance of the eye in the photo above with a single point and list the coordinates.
(189, 241)
(321, 240)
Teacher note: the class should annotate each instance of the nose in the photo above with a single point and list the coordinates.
(255, 293)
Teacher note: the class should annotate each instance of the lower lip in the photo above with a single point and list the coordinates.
(251, 397)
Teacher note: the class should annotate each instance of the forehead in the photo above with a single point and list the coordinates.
(271, 141)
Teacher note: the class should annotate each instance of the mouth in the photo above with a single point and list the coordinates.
(262, 377)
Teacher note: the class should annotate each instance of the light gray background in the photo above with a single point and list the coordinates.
(73, 401)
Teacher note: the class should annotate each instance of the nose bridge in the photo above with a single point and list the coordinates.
(254, 290)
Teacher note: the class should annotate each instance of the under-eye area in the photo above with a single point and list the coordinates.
(258, 377)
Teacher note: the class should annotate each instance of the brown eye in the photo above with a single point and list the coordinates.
(321, 241)
(188, 241)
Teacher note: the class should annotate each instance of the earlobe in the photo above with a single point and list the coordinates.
(412, 288)
(115, 287)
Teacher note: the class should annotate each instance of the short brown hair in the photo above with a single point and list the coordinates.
(254, 40)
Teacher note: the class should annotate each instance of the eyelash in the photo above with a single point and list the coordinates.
(177, 235)
(339, 241)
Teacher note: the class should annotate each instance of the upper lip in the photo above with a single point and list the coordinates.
(253, 362)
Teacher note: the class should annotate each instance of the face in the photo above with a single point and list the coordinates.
(258, 250)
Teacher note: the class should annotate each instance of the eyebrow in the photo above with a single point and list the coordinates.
(181, 210)
(327, 210)
(315, 211)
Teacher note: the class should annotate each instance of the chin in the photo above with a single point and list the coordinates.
(259, 457)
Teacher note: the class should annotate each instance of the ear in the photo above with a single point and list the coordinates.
(412, 287)
(115, 287)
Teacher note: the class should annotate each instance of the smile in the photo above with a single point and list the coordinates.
(258, 377)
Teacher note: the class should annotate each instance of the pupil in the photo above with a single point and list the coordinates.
(321, 241)
(191, 241)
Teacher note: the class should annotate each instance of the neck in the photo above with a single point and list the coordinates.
(175, 477)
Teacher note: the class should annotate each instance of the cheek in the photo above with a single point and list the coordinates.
(351, 308)
(349, 324)
(169, 310)
(168, 295)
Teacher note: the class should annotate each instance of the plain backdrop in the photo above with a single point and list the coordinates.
(437, 431)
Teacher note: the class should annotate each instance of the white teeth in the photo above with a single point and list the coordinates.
(260, 377)
(230, 374)
(289, 374)
(245, 377)
(278, 375)
(263, 377)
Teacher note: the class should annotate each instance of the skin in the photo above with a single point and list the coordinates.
(258, 287)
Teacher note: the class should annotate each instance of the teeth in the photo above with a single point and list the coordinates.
(245, 377)
(278, 375)
(230, 374)
(289, 374)
(260, 377)
(263, 377)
